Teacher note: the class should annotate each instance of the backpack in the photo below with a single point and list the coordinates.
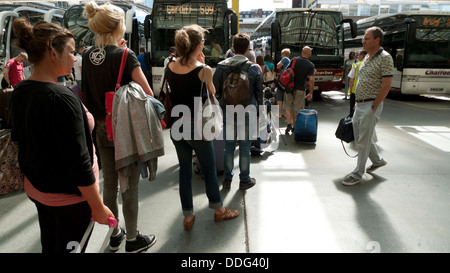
(236, 87)
(286, 79)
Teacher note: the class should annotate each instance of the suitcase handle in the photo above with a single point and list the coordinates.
(112, 221)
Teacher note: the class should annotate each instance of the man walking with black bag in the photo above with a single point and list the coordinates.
(374, 83)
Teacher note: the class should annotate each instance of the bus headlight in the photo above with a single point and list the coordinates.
(412, 78)
(337, 78)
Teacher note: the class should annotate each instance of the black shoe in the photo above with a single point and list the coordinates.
(288, 129)
(226, 184)
(115, 241)
(142, 243)
(245, 185)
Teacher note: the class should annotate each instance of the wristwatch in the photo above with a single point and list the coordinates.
(374, 106)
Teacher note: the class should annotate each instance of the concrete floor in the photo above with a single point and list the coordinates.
(299, 204)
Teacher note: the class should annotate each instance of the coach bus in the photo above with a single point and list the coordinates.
(34, 13)
(169, 15)
(320, 29)
(419, 43)
(134, 23)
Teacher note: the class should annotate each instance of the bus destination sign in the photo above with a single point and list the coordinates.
(435, 22)
(188, 9)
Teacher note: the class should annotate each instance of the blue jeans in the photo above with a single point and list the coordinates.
(230, 146)
(205, 156)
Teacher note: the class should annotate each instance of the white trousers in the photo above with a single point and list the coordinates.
(364, 122)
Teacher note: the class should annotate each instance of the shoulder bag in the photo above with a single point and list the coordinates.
(109, 97)
(164, 98)
(209, 116)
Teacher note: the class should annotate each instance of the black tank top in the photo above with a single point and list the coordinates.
(184, 87)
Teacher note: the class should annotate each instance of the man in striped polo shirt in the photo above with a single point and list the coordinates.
(374, 83)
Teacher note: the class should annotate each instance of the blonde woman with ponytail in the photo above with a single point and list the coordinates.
(185, 77)
(100, 70)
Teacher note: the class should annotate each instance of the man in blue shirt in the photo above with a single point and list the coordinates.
(141, 59)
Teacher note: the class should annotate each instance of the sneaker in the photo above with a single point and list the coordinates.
(288, 129)
(350, 181)
(142, 243)
(373, 168)
(115, 241)
(226, 184)
(245, 185)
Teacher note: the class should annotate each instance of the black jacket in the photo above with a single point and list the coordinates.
(55, 143)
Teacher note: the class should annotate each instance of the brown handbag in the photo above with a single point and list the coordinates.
(164, 98)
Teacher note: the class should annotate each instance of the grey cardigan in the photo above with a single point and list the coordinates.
(138, 137)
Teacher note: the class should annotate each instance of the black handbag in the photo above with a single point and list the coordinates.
(344, 132)
(4, 83)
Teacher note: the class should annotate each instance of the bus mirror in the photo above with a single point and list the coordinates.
(353, 26)
(147, 59)
(274, 29)
(275, 32)
(354, 29)
(399, 62)
(147, 26)
(234, 24)
(411, 30)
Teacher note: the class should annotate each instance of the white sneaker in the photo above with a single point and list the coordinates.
(350, 181)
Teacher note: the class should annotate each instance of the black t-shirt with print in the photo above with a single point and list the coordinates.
(100, 69)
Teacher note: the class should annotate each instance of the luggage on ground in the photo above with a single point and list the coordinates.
(219, 149)
(266, 130)
(306, 126)
(96, 237)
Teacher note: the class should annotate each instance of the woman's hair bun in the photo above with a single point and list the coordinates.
(90, 10)
(24, 32)
(182, 42)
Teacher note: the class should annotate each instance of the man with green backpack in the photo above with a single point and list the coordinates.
(238, 84)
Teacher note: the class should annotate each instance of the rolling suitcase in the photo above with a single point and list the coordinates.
(305, 130)
(98, 235)
(266, 132)
(219, 149)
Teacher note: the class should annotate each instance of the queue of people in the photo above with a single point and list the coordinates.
(68, 191)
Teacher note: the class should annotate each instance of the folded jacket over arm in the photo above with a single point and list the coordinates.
(138, 137)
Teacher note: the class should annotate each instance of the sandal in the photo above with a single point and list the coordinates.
(227, 215)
